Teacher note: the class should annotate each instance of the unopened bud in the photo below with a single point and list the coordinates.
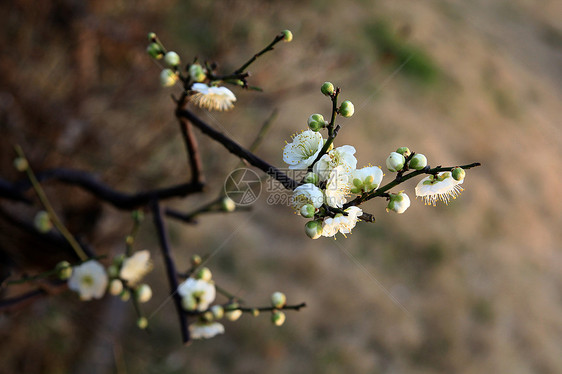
(418, 162)
(231, 313)
(196, 260)
(151, 36)
(395, 161)
(218, 311)
(125, 295)
(142, 323)
(313, 229)
(64, 270)
(287, 35)
(143, 293)
(278, 299)
(204, 274)
(458, 174)
(168, 78)
(115, 287)
(20, 164)
(42, 222)
(307, 211)
(255, 312)
(188, 303)
(347, 109)
(278, 317)
(327, 88)
(398, 203)
(197, 73)
(404, 151)
(172, 59)
(155, 51)
(227, 204)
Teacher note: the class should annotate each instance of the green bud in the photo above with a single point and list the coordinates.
(172, 59)
(418, 162)
(142, 323)
(204, 274)
(208, 316)
(313, 229)
(458, 174)
(129, 240)
(278, 300)
(231, 313)
(255, 312)
(197, 73)
(143, 293)
(155, 51)
(168, 78)
(20, 164)
(307, 211)
(42, 222)
(404, 151)
(195, 260)
(287, 35)
(395, 162)
(277, 317)
(151, 36)
(398, 203)
(311, 178)
(227, 204)
(327, 88)
(125, 295)
(315, 126)
(218, 311)
(188, 303)
(64, 270)
(115, 287)
(347, 109)
(113, 271)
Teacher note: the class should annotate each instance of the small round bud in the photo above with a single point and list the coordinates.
(458, 174)
(197, 73)
(129, 240)
(278, 299)
(204, 274)
(207, 316)
(404, 151)
(143, 293)
(155, 51)
(311, 178)
(227, 204)
(218, 311)
(195, 260)
(316, 122)
(327, 88)
(20, 164)
(188, 303)
(142, 323)
(278, 317)
(255, 312)
(395, 161)
(287, 35)
(64, 270)
(347, 109)
(418, 162)
(398, 203)
(168, 78)
(307, 211)
(172, 59)
(231, 313)
(115, 287)
(42, 222)
(113, 271)
(313, 229)
(125, 295)
(151, 36)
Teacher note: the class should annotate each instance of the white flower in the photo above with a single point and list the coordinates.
(366, 179)
(197, 294)
(89, 280)
(134, 268)
(341, 156)
(212, 98)
(303, 150)
(205, 330)
(338, 187)
(440, 187)
(341, 223)
(307, 194)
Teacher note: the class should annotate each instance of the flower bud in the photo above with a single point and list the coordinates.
(204, 274)
(142, 323)
(278, 317)
(227, 204)
(155, 51)
(311, 178)
(125, 295)
(115, 287)
(143, 293)
(231, 313)
(64, 270)
(20, 164)
(458, 174)
(197, 73)
(188, 302)
(207, 316)
(278, 299)
(151, 36)
(327, 88)
(172, 59)
(168, 78)
(395, 161)
(255, 312)
(287, 35)
(398, 203)
(113, 271)
(404, 151)
(218, 311)
(195, 260)
(129, 240)
(316, 122)
(418, 162)
(313, 229)
(347, 109)
(307, 211)
(42, 222)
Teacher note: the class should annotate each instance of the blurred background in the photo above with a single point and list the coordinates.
(474, 287)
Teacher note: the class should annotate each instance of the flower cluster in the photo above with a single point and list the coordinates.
(333, 176)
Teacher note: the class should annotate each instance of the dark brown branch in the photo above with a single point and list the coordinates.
(193, 155)
(13, 303)
(116, 198)
(170, 267)
(238, 150)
